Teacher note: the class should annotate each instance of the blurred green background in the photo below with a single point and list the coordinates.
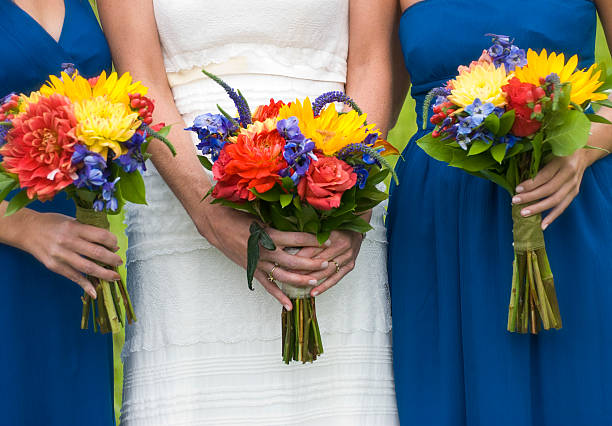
(399, 137)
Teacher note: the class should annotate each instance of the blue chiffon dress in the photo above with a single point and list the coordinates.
(450, 251)
(51, 372)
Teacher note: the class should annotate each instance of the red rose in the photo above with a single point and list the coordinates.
(325, 182)
(518, 96)
(264, 112)
(253, 162)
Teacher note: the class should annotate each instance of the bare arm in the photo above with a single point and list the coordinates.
(376, 78)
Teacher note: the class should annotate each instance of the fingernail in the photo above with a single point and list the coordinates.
(525, 212)
(519, 189)
(327, 243)
(93, 294)
(315, 293)
(288, 307)
(324, 265)
(312, 282)
(516, 200)
(544, 226)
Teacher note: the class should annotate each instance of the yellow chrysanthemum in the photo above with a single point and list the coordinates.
(330, 131)
(481, 81)
(105, 125)
(25, 100)
(77, 88)
(584, 82)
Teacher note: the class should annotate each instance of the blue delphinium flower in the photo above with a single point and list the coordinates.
(479, 111)
(4, 129)
(466, 125)
(362, 175)
(93, 172)
(504, 52)
(298, 150)
(133, 160)
(213, 131)
(108, 195)
(510, 140)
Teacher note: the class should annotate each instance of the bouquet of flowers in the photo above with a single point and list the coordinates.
(88, 139)
(501, 119)
(296, 167)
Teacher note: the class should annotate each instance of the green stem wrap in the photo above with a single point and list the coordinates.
(528, 234)
(109, 315)
(533, 299)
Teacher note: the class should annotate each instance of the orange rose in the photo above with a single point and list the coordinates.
(327, 179)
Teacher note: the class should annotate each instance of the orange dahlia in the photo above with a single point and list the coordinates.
(252, 162)
(40, 145)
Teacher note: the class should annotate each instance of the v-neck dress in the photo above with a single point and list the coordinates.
(51, 372)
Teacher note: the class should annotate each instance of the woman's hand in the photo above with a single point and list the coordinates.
(72, 249)
(341, 254)
(554, 187)
(228, 230)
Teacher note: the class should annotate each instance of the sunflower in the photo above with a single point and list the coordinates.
(330, 131)
(104, 125)
(480, 81)
(584, 82)
(77, 88)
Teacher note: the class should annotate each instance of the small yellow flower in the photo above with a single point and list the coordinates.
(481, 81)
(584, 82)
(330, 131)
(105, 125)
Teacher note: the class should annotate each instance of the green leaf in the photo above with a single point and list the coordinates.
(312, 227)
(499, 152)
(376, 178)
(270, 196)
(132, 186)
(266, 241)
(492, 122)
(7, 184)
(307, 214)
(253, 253)
(164, 131)
(506, 122)
(595, 118)
(297, 204)
(18, 202)
(478, 147)
(286, 199)
(571, 136)
(357, 225)
(279, 221)
(605, 103)
(245, 207)
(435, 148)
(371, 194)
(495, 178)
(287, 183)
(323, 236)
(204, 161)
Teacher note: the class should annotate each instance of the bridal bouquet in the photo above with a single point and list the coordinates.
(295, 167)
(88, 139)
(501, 119)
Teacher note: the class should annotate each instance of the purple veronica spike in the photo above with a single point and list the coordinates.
(241, 104)
(69, 69)
(329, 97)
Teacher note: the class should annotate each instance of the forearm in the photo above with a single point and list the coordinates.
(601, 137)
(13, 229)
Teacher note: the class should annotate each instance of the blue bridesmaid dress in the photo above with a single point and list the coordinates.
(450, 251)
(51, 372)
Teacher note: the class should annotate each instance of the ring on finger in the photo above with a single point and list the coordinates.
(270, 276)
(337, 265)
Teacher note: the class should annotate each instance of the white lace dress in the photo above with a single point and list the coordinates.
(205, 349)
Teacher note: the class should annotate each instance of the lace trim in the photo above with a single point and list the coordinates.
(321, 65)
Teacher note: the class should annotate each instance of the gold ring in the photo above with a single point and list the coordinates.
(337, 265)
(270, 276)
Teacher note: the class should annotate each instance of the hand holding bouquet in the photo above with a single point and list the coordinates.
(88, 139)
(297, 167)
(502, 118)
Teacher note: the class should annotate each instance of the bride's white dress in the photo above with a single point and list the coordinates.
(205, 349)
